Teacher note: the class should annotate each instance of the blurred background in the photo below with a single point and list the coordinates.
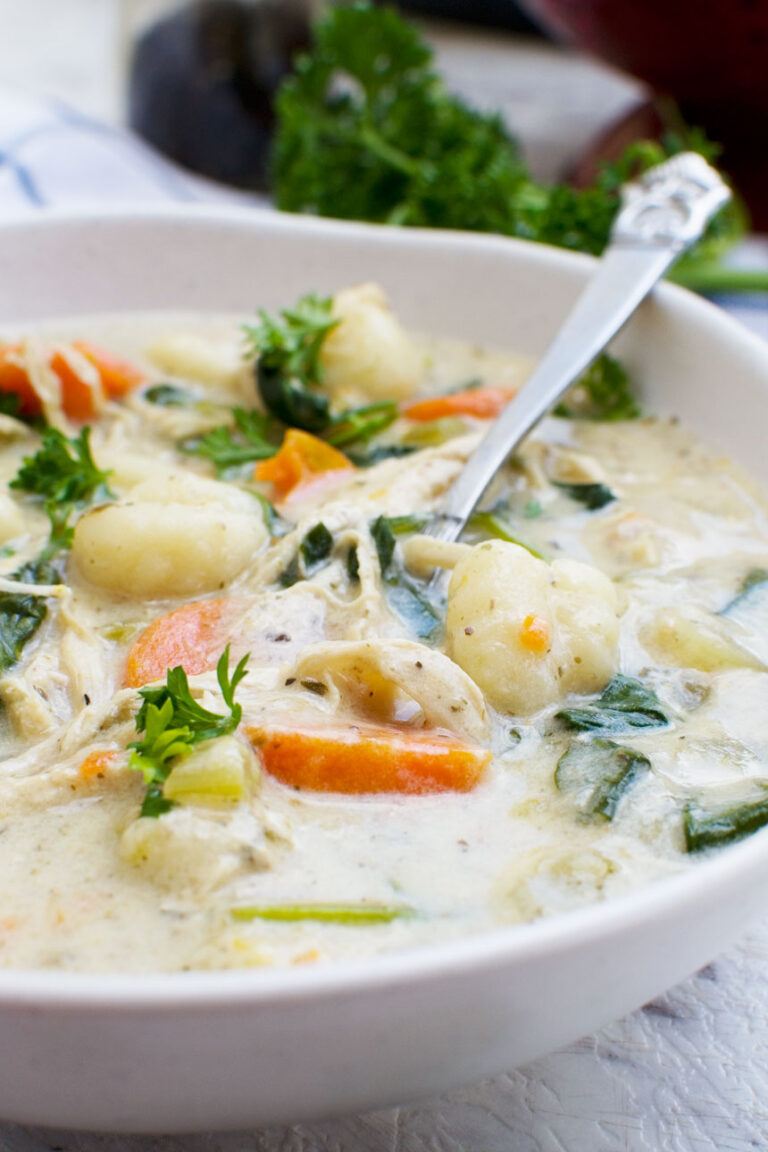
(81, 51)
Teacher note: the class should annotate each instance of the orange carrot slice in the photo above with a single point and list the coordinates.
(360, 759)
(79, 399)
(118, 376)
(193, 636)
(482, 403)
(302, 460)
(14, 379)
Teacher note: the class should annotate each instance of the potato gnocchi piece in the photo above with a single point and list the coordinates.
(177, 536)
(191, 357)
(529, 633)
(387, 680)
(369, 353)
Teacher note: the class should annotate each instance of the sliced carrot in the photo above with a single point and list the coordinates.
(360, 759)
(482, 403)
(97, 763)
(79, 399)
(302, 460)
(118, 376)
(13, 378)
(193, 636)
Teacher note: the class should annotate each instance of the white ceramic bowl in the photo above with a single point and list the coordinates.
(234, 1049)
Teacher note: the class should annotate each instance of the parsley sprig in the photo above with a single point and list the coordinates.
(366, 130)
(173, 723)
(229, 448)
(64, 474)
(288, 368)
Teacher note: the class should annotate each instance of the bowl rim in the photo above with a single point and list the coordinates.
(170, 992)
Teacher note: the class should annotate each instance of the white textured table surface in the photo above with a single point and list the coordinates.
(689, 1072)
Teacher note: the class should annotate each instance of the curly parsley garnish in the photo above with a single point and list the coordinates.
(288, 368)
(63, 472)
(173, 723)
(228, 448)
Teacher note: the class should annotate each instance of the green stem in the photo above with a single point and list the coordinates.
(351, 914)
(715, 277)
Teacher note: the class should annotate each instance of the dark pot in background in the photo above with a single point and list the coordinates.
(711, 58)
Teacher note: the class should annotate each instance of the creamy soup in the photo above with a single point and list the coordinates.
(241, 724)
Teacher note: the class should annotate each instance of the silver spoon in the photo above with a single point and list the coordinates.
(662, 214)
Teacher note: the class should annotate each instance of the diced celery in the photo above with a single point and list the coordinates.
(218, 771)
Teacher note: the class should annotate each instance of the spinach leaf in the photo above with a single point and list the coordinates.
(290, 401)
(707, 829)
(316, 548)
(597, 773)
(384, 539)
(492, 524)
(625, 703)
(21, 614)
(358, 425)
(168, 396)
(380, 452)
(288, 366)
(407, 598)
(592, 496)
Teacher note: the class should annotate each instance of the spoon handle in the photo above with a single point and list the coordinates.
(661, 215)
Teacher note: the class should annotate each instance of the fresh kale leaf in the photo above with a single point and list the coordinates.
(21, 614)
(592, 496)
(625, 703)
(228, 448)
(596, 774)
(288, 368)
(603, 392)
(64, 474)
(172, 722)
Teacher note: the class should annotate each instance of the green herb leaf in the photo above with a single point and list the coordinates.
(228, 448)
(704, 828)
(21, 614)
(367, 131)
(625, 704)
(592, 496)
(603, 392)
(596, 775)
(172, 722)
(356, 915)
(288, 366)
(63, 472)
